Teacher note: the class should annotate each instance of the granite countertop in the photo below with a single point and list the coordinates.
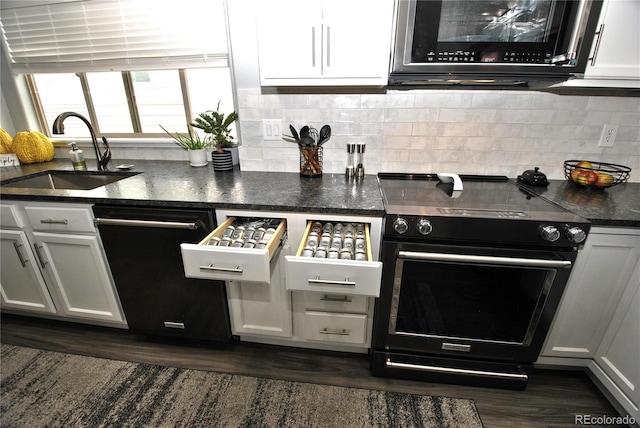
(176, 184)
(615, 206)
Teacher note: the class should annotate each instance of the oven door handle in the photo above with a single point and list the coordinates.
(485, 260)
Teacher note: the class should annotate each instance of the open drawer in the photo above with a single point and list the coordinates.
(236, 263)
(306, 272)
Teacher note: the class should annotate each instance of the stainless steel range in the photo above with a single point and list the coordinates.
(473, 271)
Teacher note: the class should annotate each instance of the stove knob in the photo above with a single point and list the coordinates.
(550, 233)
(400, 225)
(575, 234)
(424, 226)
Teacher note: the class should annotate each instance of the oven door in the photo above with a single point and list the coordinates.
(470, 302)
(544, 39)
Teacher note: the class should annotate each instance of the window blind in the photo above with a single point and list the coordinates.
(115, 35)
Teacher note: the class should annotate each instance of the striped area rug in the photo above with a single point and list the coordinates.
(50, 389)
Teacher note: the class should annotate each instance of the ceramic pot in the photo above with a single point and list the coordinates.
(222, 161)
(198, 157)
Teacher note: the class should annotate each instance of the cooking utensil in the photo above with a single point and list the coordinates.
(294, 132)
(325, 134)
(304, 131)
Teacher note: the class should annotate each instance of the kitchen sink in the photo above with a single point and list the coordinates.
(67, 180)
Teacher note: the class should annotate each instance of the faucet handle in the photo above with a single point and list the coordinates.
(106, 156)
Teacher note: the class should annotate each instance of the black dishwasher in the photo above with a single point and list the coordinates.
(142, 245)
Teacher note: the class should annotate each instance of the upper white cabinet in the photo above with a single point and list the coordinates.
(324, 42)
(616, 48)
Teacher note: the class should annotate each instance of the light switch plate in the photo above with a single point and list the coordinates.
(272, 129)
(9, 160)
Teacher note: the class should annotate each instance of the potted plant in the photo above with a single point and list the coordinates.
(195, 145)
(217, 124)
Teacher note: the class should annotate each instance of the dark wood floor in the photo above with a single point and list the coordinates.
(552, 398)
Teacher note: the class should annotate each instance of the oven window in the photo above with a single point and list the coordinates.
(494, 21)
(492, 303)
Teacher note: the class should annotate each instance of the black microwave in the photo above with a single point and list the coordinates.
(492, 42)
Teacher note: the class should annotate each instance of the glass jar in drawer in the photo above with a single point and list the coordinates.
(335, 257)
(240, 249)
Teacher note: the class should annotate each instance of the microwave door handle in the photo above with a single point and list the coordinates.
(576, 36)
(487, 260)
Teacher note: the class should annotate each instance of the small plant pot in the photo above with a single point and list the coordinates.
(222, 161)
(198, 157)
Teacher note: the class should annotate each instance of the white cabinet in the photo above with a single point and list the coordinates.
(21, 283)
(600, 276)
(294, 300)
(54, 263)
(616, 48)
(616, 364)
(324, 42)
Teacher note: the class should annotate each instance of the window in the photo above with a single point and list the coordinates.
(128, 66)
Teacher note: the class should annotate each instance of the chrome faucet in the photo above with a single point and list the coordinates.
(104, 158)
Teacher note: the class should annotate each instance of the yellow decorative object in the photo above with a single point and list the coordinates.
(32, 147)
(5, 142)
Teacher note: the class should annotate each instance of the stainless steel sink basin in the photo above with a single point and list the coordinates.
(68, 180)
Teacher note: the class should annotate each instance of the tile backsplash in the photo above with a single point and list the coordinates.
(462, 131)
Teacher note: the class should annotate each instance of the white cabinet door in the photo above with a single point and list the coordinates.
(618, 354)
(600, 276)
(21, 284)
(289, 39)
(357, 39)
(616, 48)
(259, 309)
(75, 268)
(330, 42)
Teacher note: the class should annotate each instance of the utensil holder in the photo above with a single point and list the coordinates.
(311, 161)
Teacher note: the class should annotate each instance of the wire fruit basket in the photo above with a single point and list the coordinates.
(598, 175)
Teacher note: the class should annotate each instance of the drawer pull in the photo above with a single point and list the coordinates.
(54, 221)
(329, 298)
(221, 269)
(341, 332)
(318, 281)
(171, 324)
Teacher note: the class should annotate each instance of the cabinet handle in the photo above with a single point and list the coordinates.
(341, 332)
(54, 221)
(171, 324)
(235, 269)
(318, 281)
(328, 298)
(328, 46)
(17, 246)
(43, 261)
(597, 47)
(313, 46)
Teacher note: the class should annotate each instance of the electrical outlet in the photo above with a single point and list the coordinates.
(608, 136)
(272, 129)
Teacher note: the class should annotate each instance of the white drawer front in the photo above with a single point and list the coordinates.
(333, 276)
(335, 302)
(61, 219)
(9, 217)
(329, 327)
(226, 263)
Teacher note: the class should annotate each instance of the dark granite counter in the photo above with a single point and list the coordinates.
(176, 184)
(614, 206)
